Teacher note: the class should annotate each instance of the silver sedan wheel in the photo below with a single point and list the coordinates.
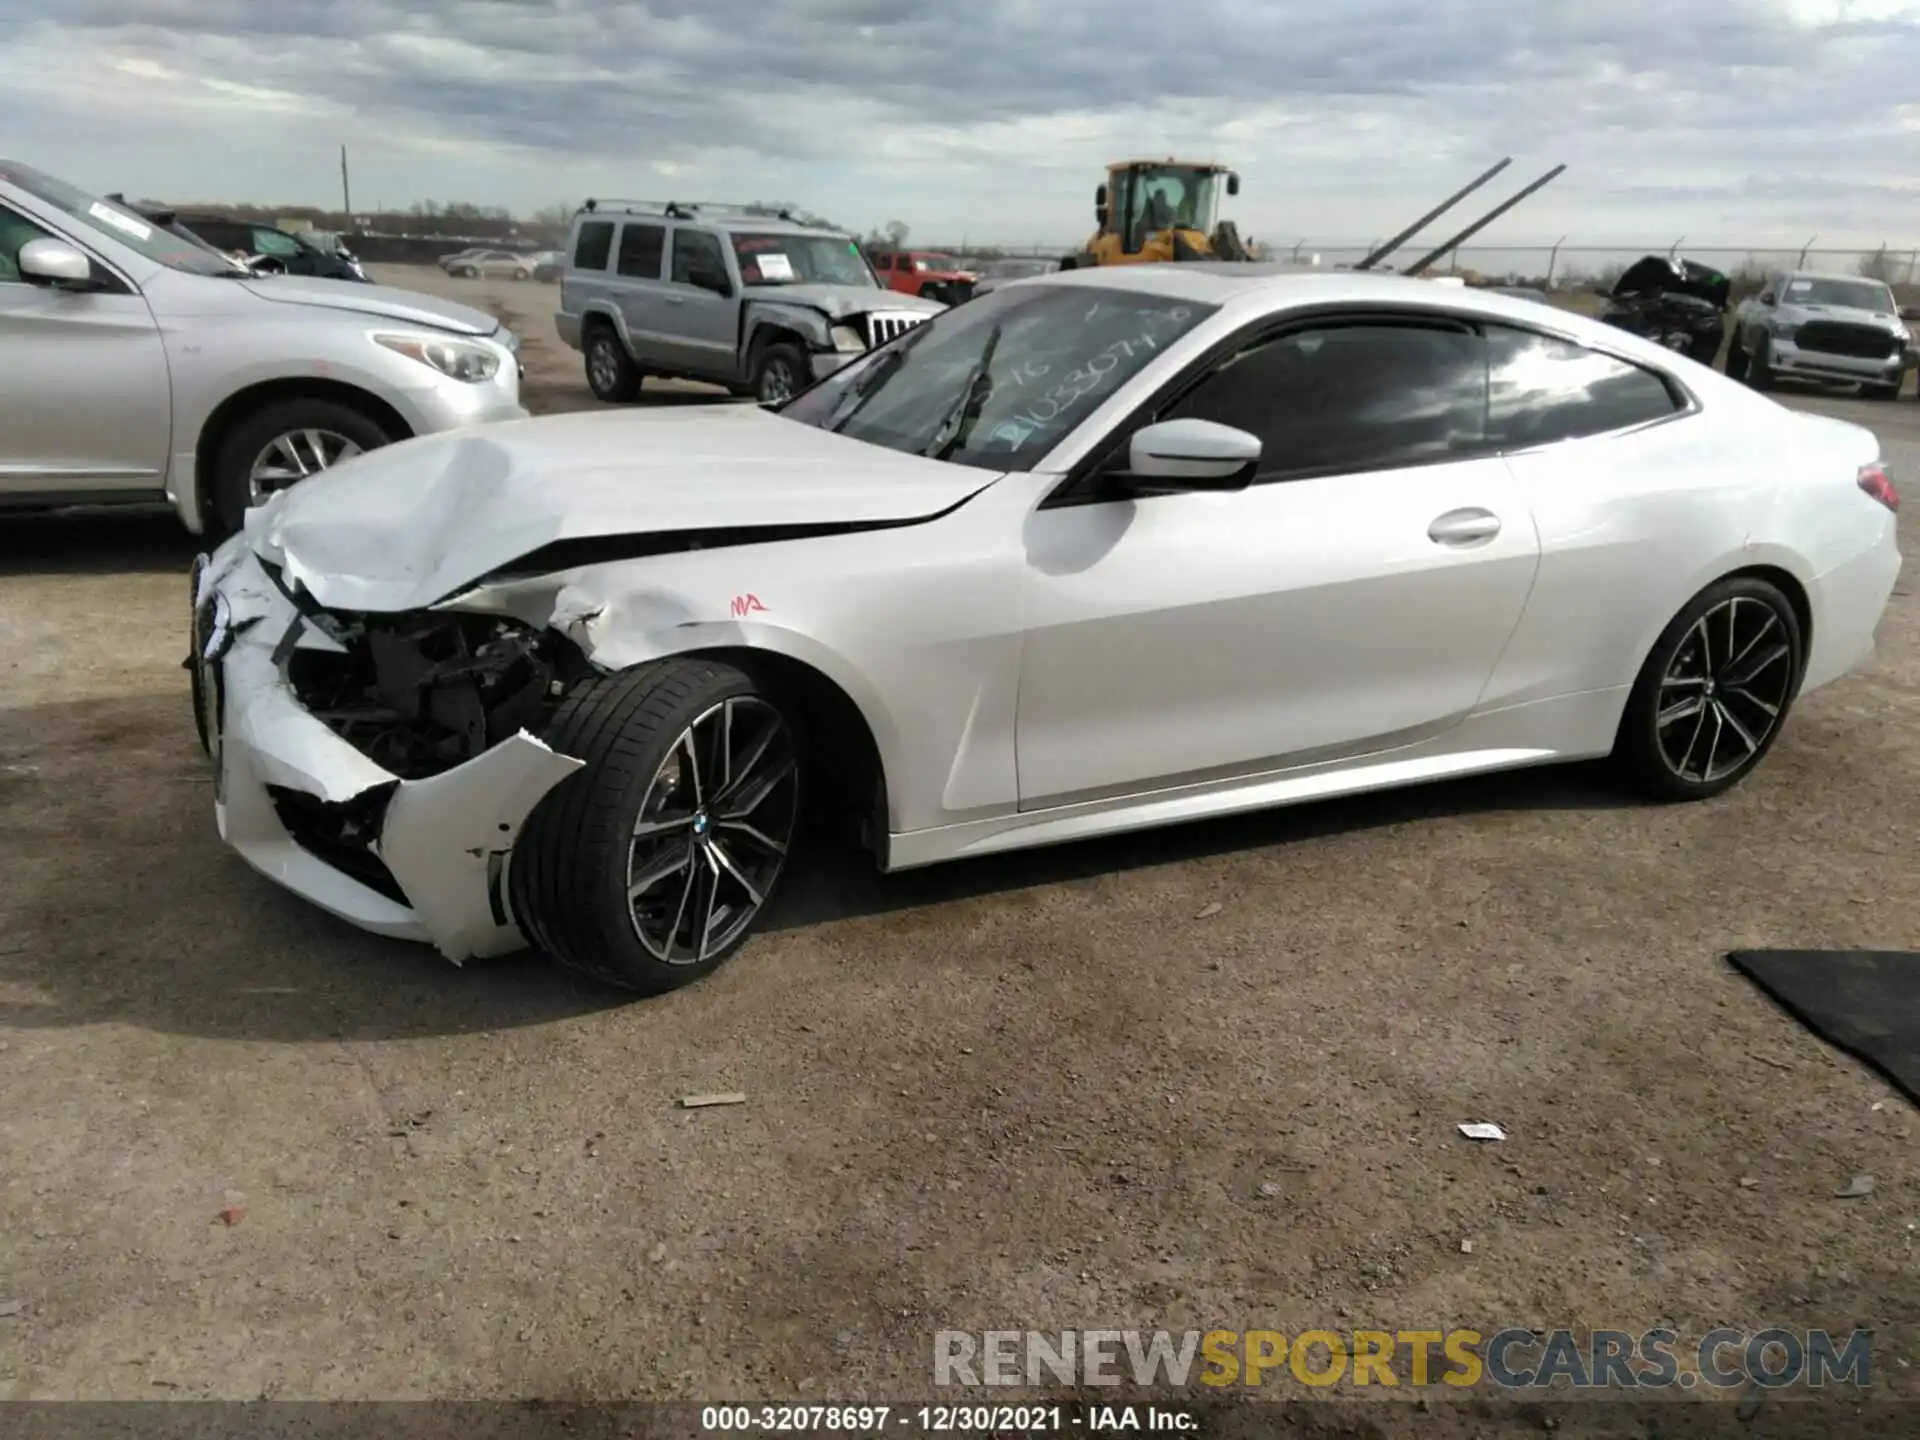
(1724, 692)
(294, 456)
(713, 831)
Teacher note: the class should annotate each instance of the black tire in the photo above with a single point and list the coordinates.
(1759, 374)
(1736, 359)
(1881, 392)
(1745, 621)
(244, 443)
(519, 274)
(568, 878)
(467, 272)
(770, 363)
(611, 374)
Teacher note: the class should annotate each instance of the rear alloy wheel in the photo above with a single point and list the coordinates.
(649, 866)
(611, 373)
(1714, 693)
(778, 376)
(283, 444)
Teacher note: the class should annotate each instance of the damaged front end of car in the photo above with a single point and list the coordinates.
(380, 765)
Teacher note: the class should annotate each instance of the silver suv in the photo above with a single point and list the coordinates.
(764, 305)
(1821, 327)
(138, 364)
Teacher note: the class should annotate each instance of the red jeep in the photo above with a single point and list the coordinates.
(925, 272)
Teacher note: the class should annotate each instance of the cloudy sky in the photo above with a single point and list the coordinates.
(1747, 121)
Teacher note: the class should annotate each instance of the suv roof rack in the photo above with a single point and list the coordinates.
(698, 209)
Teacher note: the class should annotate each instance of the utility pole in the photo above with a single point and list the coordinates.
(346, 195)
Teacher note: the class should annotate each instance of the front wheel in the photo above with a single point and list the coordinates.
(1760, 365)
(467, 272)
(519, 274)
(1713, 694)
(777, 378)
(1736, 359)
(282, 444)
(651, 864)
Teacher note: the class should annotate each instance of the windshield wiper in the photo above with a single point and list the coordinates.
(863, 389)
(960, 420)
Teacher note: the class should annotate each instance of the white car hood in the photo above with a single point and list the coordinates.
(401, 527)
(403, 305)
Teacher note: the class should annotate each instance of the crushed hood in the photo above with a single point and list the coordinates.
(1656, 274)
(403, 526)
(406, 306)
(839, 300)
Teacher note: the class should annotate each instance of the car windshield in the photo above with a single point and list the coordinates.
(999, 381)
(800, 260)
(120, 223)
(1844, 294)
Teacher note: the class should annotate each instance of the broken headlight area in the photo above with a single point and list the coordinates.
(419, 694)
(341, 832)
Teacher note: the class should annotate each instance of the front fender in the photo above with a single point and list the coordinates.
(802, 320)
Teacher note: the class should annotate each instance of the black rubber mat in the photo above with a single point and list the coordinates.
(1867, 1002)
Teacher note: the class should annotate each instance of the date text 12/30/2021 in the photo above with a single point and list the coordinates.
(956, 1420)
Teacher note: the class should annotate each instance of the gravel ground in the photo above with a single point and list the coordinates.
(1206, 1077)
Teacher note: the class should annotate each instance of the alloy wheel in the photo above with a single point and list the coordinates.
(294, 456)
(604, 366)
(1725, 690)
(713, 831)
(777, 384)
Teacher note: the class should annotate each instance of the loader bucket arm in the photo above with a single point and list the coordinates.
(1454, 242)
(1427, 219)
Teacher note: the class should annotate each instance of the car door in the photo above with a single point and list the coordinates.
(704, 324)
(639, 291)
(279, 247)
(85, 403)
(1354, 598)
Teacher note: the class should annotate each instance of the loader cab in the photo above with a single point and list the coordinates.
(1143, 198)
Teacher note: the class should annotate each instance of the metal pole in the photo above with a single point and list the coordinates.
(1456, 241)
(1913, 256)
(346, 195)
(1801, 262)
(1676, 247)
(1553, 259)
(1375, 256)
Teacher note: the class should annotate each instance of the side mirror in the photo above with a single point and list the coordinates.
(55, 263)
(1176, 456)
(1233, 183)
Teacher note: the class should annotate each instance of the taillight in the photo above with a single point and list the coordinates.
(1873, 480)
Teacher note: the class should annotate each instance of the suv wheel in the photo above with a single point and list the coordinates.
(611, 373)
(282, 444)
(778, 376)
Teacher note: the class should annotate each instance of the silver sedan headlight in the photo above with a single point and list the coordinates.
(456, 359)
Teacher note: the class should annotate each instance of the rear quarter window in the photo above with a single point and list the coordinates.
(642, 248)
(593, 245)
(1541, 390)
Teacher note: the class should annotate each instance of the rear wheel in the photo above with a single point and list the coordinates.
(280, 445)
(1714, 692)
(519, 274)
(651, 864)
(611, 373)
(467, 272)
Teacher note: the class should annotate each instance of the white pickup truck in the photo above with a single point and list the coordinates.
(1835, 328)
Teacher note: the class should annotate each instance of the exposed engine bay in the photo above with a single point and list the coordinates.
(420, 693)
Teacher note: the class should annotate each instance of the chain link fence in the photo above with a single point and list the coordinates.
(1558, 266)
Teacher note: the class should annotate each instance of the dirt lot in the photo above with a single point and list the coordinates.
(1040, 1090)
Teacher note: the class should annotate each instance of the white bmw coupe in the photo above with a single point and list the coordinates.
(1099, 550)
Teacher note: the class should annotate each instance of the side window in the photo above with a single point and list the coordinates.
(1542, 390)
(1341, 399)
(268, 241)
(641, 250)
(593, 245)
(694, 250)
(15, 231)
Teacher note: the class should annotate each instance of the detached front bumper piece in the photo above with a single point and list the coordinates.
(420, 859)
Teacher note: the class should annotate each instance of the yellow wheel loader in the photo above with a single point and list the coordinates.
(1158, 210)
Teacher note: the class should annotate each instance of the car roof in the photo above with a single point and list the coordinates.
(730, 222)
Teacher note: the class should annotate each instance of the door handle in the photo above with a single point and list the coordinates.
(1470, 526)
(675, 299)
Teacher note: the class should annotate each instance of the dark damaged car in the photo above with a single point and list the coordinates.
(1680, 304)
